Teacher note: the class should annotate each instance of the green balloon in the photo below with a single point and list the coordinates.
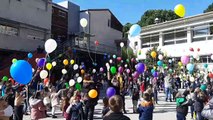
(78, 86)
(164, 65)
(113, 70)
(127, 60)
(170, 70)
(5, 78)
(67, 85)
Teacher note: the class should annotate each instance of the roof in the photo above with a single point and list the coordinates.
(179, 22)
(102, 10)
(59, 7)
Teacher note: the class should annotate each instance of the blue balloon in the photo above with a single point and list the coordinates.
(134, 30)
(29, 55)
(21, 72)
(160, 63)
(108, 56)
(206, 65)
(41, 62)
(152, 71)
(190, 67)
(155, 74)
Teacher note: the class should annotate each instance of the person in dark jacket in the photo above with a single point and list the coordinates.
(146, 108)
(115, 104)
(135, 96)
(200, 99)
(106, 106)
(182, 106)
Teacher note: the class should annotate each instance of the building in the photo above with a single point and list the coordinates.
(176, 37)
(24, 24)
(103, 27)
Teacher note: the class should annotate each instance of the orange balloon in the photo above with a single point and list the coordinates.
(93, 93)
(82, 71)
(46, 81)
(66, 62)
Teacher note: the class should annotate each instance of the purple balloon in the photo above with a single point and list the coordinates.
(110, 92)
(135, 74)
(185, 59)
(120, 69)
(140, 68)
(155, 74)
(41, 62)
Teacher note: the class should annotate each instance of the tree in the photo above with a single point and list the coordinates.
(163, 15)
(210, 8)
(126, 29)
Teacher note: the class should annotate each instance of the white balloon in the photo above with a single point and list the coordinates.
(53, 63)
(64, 71)
(110, 61)
(212, 57)
(107, 64)
(125, 65)
(43, 74)
(160, 57)
(121, 44)
(94, 71)
(72, 82)
(83, 22)
(79, 79)
(75, 67)
(76, 74)
(50, 45)
(192, 79)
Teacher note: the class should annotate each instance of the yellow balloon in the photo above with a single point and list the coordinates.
(82, 72)
(180, 10)
(65, 62)
(72, 62)
(14, 60)
(180, 63)
(49, 66)
(153, 54)
(93, 93)
(154, 67)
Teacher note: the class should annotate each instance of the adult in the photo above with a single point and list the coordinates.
(115, 104)
(168, 87)
(18, 105)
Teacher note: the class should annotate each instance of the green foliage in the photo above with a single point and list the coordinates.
(210, 8)
(163, 15)
(127, 53)
(126, 29)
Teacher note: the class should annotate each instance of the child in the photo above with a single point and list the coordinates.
(74, 109)
(106, 106)
(182, 106)
(6, 111)
(54, 100)
(146, 108)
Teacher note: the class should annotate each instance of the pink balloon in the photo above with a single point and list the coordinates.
(101, 69)
(185, 60)
(128, 71)
(120, 69)
(135, 74)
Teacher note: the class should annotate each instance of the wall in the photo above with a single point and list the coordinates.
(33, 12)
(73, 18)
(103, 33)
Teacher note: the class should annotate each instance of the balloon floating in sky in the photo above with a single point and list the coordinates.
(83, 22)
(50, 45)
(180, 10)
(134, 30)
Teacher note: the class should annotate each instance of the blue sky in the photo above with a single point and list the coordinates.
(132, 10)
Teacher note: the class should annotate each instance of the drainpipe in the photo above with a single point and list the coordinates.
(89, 29)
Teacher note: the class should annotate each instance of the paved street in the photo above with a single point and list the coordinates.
(163, 111)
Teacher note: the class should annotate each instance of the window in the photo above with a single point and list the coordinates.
(201, 30)
(62, 14)
(150, 40)
(8, 30)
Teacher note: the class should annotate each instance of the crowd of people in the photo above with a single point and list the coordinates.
(37, 99)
